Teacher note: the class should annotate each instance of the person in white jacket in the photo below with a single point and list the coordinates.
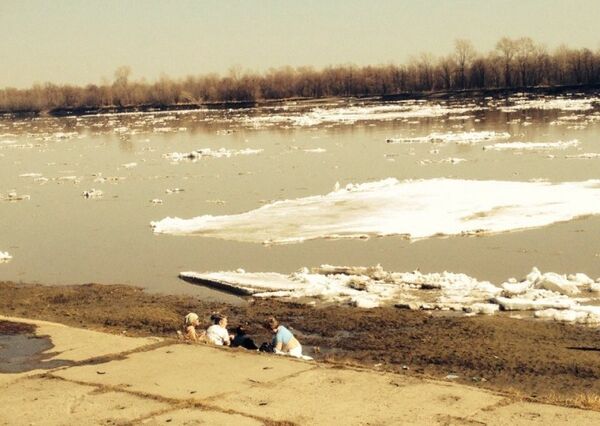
(217, 333)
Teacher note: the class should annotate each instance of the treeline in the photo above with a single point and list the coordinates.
(513, 63)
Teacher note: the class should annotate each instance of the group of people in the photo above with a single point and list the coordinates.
(283, 341)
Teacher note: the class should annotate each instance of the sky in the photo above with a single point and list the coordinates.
(85, 41)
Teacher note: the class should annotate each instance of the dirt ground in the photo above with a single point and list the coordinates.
(535, 359)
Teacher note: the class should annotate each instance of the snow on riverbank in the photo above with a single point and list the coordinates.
(548, 295)
(414, 209)
(4, 257)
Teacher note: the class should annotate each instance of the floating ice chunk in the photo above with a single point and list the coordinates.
(564, 104)
(5, 257)
(68, 179)
(173, 190)
(353, 114)
(585, 156)
(521, 146)
(14, 196)
(460, 138)
(415, 209)
(92, 193)
(450, 160)
(208, 152)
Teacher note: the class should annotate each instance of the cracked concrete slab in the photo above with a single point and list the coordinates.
(44, 401)
(77, 344)
(176, 383)
(526, 413)
(330, 396)
(201, 417)
(188, 371)
(71, 345)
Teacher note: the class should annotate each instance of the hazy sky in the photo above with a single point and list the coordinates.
(83, 41)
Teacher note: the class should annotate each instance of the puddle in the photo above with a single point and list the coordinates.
(21, 350)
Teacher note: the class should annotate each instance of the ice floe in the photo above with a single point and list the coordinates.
(548, 295)
(585, 156)
(563, 104)
(456, 137)
(92, 193)
(209, 153)
(4, 257)
(521, 146)
(14, 196)
(353, 114)
(414, 209)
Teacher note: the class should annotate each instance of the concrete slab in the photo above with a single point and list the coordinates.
(76, 344)
(189, 371)
(524, 413)
(190, 417)
(42, 401)
(330, 396)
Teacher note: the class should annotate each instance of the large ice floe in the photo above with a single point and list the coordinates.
(4, 257)
(414, 209)
(550, 103)
(458, 137)
(209, 153)
(357, 113)
(532, 146)
(547, 295)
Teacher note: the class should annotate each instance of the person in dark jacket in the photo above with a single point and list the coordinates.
(241, 338)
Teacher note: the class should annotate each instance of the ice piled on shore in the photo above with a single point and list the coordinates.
(209, 153)
(413, 209)
(548, 295)
(4, 257)
(520, 146)
(460, 137)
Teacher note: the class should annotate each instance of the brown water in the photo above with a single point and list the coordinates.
(58, 236)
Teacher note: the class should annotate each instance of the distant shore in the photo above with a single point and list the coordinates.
(549, 360)
(241, 104)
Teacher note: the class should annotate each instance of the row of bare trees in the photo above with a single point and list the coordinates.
(514, 63)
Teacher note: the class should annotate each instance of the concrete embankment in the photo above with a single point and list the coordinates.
(89, 377)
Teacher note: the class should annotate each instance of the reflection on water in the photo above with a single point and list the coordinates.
(58, 236)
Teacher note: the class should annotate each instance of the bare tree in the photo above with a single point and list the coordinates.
(464, 53)
(507, 49)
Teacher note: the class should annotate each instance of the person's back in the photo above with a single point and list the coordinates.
(283, 339)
